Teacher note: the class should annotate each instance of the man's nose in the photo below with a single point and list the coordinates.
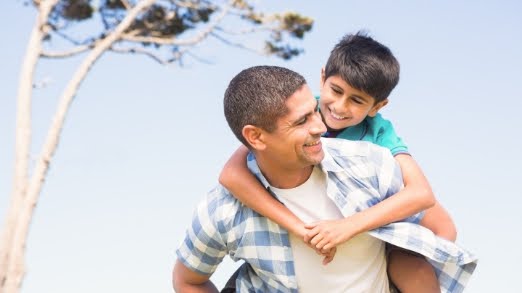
(318, 126)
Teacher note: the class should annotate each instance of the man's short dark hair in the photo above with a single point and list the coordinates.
(257, 96)
(365, 65)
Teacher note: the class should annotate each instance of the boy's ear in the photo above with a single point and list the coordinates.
(377, 107)
(254, 136)
(322, 76)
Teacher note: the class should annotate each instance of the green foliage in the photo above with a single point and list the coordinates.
(296, 24)
(283, 51)
(167, 20)
(75, 9)
(114, 4)
(161, 21)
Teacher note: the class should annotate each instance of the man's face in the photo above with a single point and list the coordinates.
(343, 106)
(295, 143)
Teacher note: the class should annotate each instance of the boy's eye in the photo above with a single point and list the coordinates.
(358, 101)
(337, 91)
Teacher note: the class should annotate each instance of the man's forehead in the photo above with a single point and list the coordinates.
(301, 102)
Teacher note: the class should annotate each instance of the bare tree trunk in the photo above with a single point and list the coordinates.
(15, 267)
(23, 137)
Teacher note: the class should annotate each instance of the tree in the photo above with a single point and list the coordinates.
(164, 30)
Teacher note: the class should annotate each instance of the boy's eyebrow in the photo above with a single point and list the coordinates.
(357, 96)
(337, 87)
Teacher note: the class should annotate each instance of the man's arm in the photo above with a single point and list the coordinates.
(185, 280)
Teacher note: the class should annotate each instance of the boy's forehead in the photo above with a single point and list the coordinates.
(339, 81)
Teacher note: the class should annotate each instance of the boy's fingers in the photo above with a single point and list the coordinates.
(321, 245)
(310, 225)
(311, 234)
(327, 259)
(315, 240)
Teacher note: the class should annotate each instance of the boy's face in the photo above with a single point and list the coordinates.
(343, 106)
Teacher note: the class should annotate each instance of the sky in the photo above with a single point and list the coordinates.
(143, 143)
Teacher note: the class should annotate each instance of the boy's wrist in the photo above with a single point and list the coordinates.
(357, 223)
(300, 231)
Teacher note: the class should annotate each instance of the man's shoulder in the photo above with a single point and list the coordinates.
(220, 205)
(354, 155)
(352, 148)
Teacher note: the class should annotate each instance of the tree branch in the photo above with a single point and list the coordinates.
(139, 50)
(244, 31)
(186, 42)
(68, 53)
(238, 45)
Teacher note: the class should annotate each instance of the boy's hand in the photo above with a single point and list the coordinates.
(328, 255)
(324, 235)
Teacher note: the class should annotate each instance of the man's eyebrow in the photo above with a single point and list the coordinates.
(298, 119)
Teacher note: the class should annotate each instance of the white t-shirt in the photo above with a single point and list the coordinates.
(359, 264)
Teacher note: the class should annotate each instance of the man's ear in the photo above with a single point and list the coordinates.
(377, 107)
(323, 79)
(254, 136)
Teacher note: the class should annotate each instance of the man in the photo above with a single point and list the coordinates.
(272, 111)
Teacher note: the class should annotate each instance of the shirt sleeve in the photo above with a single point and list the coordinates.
(203, 248)
(390, 179)
(386, 136)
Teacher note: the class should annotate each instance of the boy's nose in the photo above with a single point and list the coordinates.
(339, 106)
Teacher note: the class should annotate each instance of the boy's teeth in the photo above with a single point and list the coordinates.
(337, 117)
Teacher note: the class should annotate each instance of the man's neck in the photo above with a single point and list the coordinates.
(284, 178)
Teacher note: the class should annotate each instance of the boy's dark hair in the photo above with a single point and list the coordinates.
(365, 65)
(257, 96)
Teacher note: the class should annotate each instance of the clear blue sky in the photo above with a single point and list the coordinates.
(143, 143)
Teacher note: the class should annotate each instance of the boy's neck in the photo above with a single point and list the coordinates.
(332, 133)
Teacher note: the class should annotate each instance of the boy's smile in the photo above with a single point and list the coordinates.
(343, 106)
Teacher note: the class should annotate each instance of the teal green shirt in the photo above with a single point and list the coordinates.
(376, 130)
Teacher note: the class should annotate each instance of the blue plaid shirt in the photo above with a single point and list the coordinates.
(360, 175)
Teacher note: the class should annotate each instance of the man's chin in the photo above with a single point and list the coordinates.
(316, 159)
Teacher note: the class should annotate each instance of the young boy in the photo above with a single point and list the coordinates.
(355, 84)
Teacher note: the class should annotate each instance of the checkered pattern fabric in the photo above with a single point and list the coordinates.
(360, 175)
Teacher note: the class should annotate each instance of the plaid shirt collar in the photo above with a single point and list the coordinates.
(328, 164)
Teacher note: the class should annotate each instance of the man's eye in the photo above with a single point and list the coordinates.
(301, 122)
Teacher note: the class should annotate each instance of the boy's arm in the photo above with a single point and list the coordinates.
(438, 220)
(244, 186)
(184, 280)
(413, 198)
